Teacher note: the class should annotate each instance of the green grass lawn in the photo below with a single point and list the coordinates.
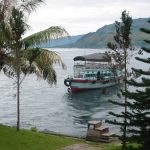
(10, 139)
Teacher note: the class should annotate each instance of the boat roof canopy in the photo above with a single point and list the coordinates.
(97, 57)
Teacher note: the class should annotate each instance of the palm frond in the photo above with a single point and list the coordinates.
(5, 8)
(8, 70)
(30, 5)
(9, 67)
(52, 56)
(41, 62)
(31, 54)
(44, 70)
(53, 32)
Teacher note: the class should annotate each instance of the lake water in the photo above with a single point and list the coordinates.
(53, 108)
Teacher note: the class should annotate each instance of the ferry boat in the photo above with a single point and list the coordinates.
(92, 72)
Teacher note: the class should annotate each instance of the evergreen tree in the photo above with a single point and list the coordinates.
(120, 55)
(139, 106)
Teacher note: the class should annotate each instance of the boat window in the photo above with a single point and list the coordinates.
(105, 74)
(80, 76)
(98, 75)
(109, 74)
(90, 75)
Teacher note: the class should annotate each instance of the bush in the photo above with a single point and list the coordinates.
(34, 129)
(113, 147)
(133, 146)
(130, 146)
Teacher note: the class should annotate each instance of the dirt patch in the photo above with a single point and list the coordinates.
(80, 147)
(99, 146)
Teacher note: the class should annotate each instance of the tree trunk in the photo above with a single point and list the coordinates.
(125, 109)
(18, 86)
(18, 99)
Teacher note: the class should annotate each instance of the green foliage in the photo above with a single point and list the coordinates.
(17, 23)
(22, 53)
(133, 146)
(113, 147)
(139, 104)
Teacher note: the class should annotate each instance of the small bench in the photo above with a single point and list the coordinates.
(95, 124)
(102, 129)
(107, 136)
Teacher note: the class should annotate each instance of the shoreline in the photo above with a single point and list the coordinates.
(11, 139)
(47, 132)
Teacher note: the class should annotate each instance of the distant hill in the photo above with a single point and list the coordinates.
(61, 41)
(102, 36)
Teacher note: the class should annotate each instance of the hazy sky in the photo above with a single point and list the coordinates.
(83, 16)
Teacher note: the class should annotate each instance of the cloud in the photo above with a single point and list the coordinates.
(82, 16)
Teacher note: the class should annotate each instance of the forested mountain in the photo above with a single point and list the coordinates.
(102, 36)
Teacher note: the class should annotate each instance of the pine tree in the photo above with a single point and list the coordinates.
(120, 56)
(139, 106)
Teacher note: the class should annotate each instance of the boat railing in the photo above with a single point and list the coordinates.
(91, 66)
(69, 77)
(78, 76)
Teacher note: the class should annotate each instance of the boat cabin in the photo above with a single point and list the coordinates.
(93, 67)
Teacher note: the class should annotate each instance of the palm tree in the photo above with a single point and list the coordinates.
(21, 56)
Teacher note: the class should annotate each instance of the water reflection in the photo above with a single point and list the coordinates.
(92, 104)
